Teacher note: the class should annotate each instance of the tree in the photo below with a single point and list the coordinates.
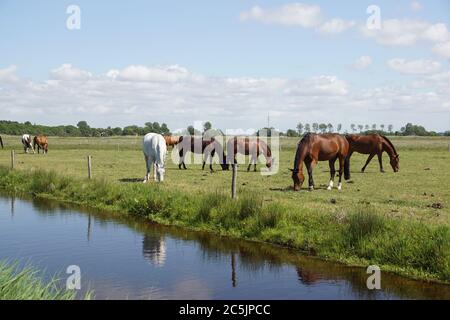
(382, 127)
(374, 127)
(390, 128)
(292, 133)
(330, 127)
(315, 127)
(339, 128)
(164, 129)
(307, 127)
(366, 127)
(323, 127)
(360, 127)
(191, 130)
(207, 126)
(353, 127)
(84, 128)
(300, 128)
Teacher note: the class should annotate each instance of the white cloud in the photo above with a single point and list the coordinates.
(69, 73)
(416, 6)
(319, 86)
(414, 67)
(9, 74)
(110, 100)
(158, 74)
(406, 32)
(362, 63)
(335, 26)
(293, 14)
(442, 49)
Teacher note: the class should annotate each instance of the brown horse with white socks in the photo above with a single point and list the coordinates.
(373, 144)
(320, 147)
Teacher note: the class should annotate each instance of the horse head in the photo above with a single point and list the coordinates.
(160, 171)
(395, 163)
(297, 178)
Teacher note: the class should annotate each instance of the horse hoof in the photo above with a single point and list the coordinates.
(329, 188)
(311, 188)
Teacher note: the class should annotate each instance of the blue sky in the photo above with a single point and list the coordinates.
(211, 40)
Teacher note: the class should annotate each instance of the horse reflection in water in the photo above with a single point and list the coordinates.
(154, 250)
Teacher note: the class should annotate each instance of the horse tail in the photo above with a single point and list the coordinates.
(390, 143)
(347, 168)
(1, 142)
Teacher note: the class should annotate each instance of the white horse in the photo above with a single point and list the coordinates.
(27, 145)
(155, 149)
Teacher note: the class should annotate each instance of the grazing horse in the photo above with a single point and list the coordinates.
(155, 149)
(247, 146)
(373, 144)
(172, 140)
(198, 145)
(41, 142)
(320, 147)
(26, 142)
(1, 141)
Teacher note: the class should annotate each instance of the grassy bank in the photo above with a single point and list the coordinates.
(27, 284)
(358, 235)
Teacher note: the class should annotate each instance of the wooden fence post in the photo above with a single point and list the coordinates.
(13, 158)
(89, 159)
(233, 181)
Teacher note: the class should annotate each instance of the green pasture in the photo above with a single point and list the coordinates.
(420, 191)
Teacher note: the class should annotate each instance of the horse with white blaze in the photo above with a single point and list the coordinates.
(155, 149)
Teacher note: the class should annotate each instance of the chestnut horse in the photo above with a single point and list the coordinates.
(201, 146)
(247, 146)
(373, 144)
(172, 140)
(1, 141)
(41, 142)
(320, 147)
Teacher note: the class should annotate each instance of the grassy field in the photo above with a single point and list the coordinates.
(411, 208)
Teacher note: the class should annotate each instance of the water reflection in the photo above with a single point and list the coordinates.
(239, 260)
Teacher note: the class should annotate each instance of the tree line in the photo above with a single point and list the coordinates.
(82, 129)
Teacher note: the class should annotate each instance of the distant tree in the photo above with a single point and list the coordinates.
(300, 128)
(191, 130)
(84, 128)
(374, 127)
(322, 127)
(339, 128)
(207, 126)
(390, 128)
(330, 127)
(164, 129)
(307, 127)
(360, 127)
(292, 133)
(315, 127)
(366, 127)
(382, 127)
(353, 127)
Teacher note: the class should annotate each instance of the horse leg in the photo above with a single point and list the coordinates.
(332, 173)
(341, 171)
(182, 155)
(309, 167)
(368, 161)
(147, 173)
(380, 160)
(211, 156)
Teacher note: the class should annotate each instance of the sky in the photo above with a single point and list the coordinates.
(233, 63)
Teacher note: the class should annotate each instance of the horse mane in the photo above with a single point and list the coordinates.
(390, 143)
(306, 138)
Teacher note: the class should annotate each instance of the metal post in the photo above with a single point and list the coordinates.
(89, 158)
(233, 181)
(13, 158)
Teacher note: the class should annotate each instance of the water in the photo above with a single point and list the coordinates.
(122, 257)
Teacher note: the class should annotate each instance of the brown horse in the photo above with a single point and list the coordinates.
(324, 147)
(1, 141)
(247, 146)
(41, 142)
(201, 146)
(373, 144)
(172, 140)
